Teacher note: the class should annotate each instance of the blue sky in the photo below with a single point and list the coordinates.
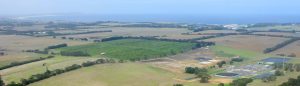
(175, 7)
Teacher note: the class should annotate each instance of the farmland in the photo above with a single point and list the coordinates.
(279, 34)
(14, 45)
(138, 54)
(278, 27)
(215, 31)
(248, 42)
(289, 49)
(25, 71)
(113, 75)
(135, 48)
(134, 31)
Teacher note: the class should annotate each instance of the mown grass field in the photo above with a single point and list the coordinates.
(125, 74)
(132, 48)
(26, 70)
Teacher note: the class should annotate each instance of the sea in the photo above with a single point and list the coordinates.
(200, 19)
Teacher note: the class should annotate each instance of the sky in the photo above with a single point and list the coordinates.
(147, 7)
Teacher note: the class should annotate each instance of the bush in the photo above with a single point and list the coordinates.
(221, 84)
(57, 46)
(292, 82)
(237, 59)
(195, 70)
(279, 73)
(178, 85)
(241, 82)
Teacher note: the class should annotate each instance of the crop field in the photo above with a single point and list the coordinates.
(279, 33)
(119, 75)
(132, 48)
(217, 31)
(247, 42)
(77, 31)
(25, 71)
(286, 28)
(132, 31)
(19, 43)
(31, 28)
(13, 57)
(179, 36)
(289, 49)
(13, 46)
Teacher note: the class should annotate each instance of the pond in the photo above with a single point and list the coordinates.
(227, 74)
(276, 60)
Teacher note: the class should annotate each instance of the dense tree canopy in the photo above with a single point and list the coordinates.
(1, 81)
(292, 82)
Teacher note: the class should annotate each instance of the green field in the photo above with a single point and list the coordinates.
(231, 52)
(250, 57)
(123, 74)
(127, 49)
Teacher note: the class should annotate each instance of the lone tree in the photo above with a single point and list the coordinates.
(241, 82)
(178, 85)
(1, 81)
(204, 77)
(221, 84)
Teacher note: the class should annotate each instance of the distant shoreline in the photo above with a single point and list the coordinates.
(168, 18)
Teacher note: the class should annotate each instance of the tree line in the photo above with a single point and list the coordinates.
(287, 67)
(74, 53)
(13, 64)
(46, 50)
(280, 45)
(57, 46)
(50, 73)
(198, 28)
